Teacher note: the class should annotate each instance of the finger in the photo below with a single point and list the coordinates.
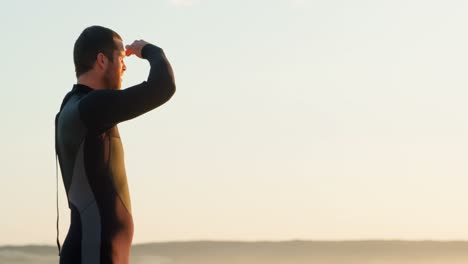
(128, 52)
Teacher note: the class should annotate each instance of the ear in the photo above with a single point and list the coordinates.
(101, 61)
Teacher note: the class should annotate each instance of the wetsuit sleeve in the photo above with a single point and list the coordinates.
(106, 108)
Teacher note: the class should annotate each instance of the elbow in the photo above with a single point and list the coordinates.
(173, 88)
(170, 81)
(162, 90)
(169, 91)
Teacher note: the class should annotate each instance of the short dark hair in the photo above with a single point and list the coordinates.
(92, 41)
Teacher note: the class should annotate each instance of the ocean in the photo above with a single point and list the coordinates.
(285, 252)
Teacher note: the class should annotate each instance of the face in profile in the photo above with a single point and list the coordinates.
(116, 67)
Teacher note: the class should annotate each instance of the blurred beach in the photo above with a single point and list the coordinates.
(297, 252)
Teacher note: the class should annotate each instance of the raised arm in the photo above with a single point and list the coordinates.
(105, 108)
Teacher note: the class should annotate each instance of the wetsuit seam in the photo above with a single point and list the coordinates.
(113, 182)
(79, 112)
(87, 206)
(120, 198)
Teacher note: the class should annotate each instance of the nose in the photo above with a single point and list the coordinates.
(124, 67)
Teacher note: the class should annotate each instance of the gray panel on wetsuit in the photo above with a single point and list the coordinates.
(72, 132)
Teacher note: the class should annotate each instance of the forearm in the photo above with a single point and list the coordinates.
(161, 77)
(106, 108)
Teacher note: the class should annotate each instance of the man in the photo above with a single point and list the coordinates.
(89, 148)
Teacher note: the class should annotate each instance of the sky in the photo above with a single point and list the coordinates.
(320, 120)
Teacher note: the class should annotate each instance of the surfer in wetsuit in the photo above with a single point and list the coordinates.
(89, 147)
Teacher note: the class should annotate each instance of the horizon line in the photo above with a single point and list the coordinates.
(267, 241)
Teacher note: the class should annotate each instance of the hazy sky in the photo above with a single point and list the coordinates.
(292, 119)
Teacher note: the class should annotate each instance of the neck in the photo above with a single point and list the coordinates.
(92, 81)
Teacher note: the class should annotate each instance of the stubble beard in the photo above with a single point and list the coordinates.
(111, 80)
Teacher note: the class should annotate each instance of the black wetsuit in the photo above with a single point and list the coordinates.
(92, 163)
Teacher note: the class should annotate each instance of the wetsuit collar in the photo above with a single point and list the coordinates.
(77, 88)
(81, 88)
